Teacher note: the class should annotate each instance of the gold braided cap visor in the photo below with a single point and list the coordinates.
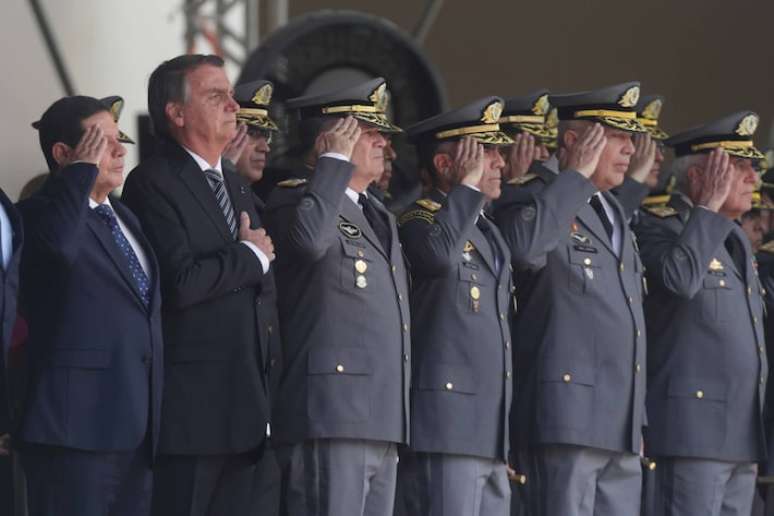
(368, 114)
(736, 148)
(624, 120)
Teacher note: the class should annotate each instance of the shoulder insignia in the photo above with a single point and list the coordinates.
(768, 247)
(429, 204)
(660, 211)
(656, 199)
(423, 215)
(292, 183)
(526, 178)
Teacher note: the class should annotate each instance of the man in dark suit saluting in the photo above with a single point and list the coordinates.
(219, 325)
(90, 295)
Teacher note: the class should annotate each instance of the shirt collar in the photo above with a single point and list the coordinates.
(202, 163)
(354, 196)
(93, 204)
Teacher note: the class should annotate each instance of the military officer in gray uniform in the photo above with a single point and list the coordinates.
(343, 402)
(461, 297)
(580, 330)
(707, 364)
(524, 120)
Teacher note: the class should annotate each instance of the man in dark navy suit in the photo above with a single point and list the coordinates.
(89, 288)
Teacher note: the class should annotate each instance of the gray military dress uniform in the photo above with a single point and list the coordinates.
(580, 351)
(343, 401)
(462, 378)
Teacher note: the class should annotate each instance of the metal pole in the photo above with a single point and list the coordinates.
(275, 15)
(252, 27)
(426, 21)
(53, 48)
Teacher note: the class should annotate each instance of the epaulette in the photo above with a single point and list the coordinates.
(661, 211)
(292, 183)
(423, 215)
(526, 178)
(656, 200)
(768, 247)
(429, 204)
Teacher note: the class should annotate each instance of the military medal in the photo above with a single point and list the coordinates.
(715, 265)
(361, 282)
(475, 296)
(589, 273)
(361, 266)
(350, 230)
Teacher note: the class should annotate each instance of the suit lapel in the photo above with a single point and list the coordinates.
(193, 177)
(590, 219)
(352, 213)
(105, 238)
(242, 199)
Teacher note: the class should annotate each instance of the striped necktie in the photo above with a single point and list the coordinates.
(219, 189)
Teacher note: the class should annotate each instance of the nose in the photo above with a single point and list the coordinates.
(379, 140)
(232, 104)
(628, 148)
(119, 150)
(499, 161)
(659, 154)
(263, 145)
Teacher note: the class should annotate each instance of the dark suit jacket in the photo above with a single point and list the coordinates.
(94, 350)
(9, 286)
(707, 357)
(347, 340)
(460, 304)
(220, 330)
(580, 328)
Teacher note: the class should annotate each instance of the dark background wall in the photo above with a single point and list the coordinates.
(708, 57)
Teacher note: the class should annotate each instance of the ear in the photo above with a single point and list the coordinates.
(442, 162)
(62, 153)
(569, 138)
(174, 112)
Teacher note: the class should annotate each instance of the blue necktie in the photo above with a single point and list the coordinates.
(138, 275)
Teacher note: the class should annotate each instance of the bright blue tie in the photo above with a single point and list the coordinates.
(141, 280)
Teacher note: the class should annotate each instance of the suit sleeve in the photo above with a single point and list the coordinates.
(433, 246)
(630, 195)
(678, 261)
(533, 220)
(55, 219)
(187, 278)
(306, 229)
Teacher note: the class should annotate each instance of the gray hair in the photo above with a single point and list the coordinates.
(681, 165)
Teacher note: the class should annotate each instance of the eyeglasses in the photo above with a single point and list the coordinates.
(258, 132)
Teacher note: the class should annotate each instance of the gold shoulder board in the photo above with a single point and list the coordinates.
(768, 247)
(422, 215)
(429, 204)
(292, 183)
(656, 199)
(526, 178)
(660, 211)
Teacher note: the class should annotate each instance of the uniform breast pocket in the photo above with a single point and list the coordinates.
(356, 265)
(339, 384)
(717, 298)
(584, 270)
(472, 285)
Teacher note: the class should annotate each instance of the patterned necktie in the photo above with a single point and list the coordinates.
(219, 189)
(138, 274)
(597, 205)
(376, 220)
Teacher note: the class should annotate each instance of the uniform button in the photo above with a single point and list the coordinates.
(621, 268)
(755, 318)
(587, 261)
(637, 368)
(502, 316)
(507, 375)
(639, 333)
(474, 277)
(405, 357)
(270, 329)
(513, 289)
(763, 380)
(405, 327)
(400, 297)
(763, 291)
(566, 377)
(700, 394)
(722, 283)
(760, 348)
(339, 368)
(507, 344)
(521, 479)
(631, 300)
(749, 291)
(360, 254)
(652, 465)
(394, 268)
(449, 386)
(273, 362)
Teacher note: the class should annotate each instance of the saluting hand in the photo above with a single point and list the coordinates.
(468, 165)
(256, 236)
(341, 138)
(237, 145)
(91, 146)
(644, 156)
(520, 156)
(715, 181)
(585, 153)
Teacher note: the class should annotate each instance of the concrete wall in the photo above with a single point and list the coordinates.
(709, 57)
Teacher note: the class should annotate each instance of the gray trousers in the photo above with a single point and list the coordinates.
(338, 477)
(580, 481)
(691, 487)
(435, 484)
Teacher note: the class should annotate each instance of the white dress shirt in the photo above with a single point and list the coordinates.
(6, 244)
(133, 242)
(219, 169)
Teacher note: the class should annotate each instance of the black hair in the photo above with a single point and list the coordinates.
(167, 84)
(62, 122)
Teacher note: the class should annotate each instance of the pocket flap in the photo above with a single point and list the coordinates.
(715, 281)
(84, 358)
(570, 375)
(697, 388)
(446, 377)
(339, 360)
(355, 250)
(584, 259)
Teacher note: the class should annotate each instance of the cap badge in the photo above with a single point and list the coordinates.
(653, 110)
(630, 98)
(379, 97)
(541, 105)
(263, 95)
(747, 126)
(492, 113)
